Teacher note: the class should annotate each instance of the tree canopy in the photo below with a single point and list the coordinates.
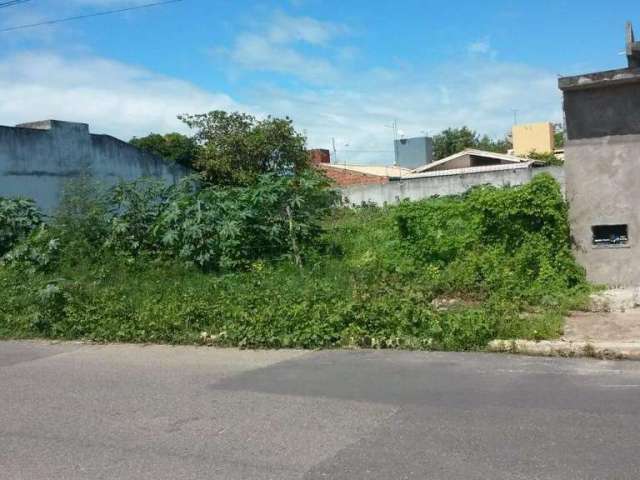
(454, 140)
(173, 147)
(236, 148)
(559, 135)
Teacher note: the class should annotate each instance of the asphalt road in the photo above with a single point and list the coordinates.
(113, 412)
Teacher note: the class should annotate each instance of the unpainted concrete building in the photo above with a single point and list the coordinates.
(602, 159)
(37, 159)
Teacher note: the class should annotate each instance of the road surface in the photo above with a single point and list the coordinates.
(72, 411)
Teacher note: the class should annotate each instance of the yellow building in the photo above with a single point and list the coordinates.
(533, 137)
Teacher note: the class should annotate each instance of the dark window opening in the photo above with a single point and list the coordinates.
(476, 161)
(610, 235)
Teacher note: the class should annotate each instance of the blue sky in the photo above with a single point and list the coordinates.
(342, 70)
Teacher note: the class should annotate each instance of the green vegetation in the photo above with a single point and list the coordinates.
(236, 148)
(549, 158)
(252, 251)
(270, 265)
(18, 218)
(173, 147)
(231, 149)
(559, 135)
(454, 140)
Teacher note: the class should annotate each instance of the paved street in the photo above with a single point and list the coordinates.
(76, 411)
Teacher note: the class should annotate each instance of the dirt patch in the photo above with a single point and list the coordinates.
(610, 331)
(603, 326)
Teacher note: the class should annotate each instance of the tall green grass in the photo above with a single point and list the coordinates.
(445, 273)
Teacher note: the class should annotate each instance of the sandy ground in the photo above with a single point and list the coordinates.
(603, 326)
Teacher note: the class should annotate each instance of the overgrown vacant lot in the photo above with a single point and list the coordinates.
(445, 273)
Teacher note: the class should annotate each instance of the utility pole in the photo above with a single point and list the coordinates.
(394, 126)
(515, 117)
(335, 152)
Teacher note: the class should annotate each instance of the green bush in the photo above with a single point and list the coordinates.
(512, 241)
(231, 227)
(445, 273)
(39, 252)
(18, 218)
(212, 227)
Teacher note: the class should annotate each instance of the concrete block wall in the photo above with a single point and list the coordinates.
(443, 185)
(38, 159)
(604, 189)
(602, 158)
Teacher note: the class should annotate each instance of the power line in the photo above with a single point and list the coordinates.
(12, 3)
(89, 15)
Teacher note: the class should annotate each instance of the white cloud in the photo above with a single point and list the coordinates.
(125, 100)
(112, 97)
(284, 28)
(358, 115)
(275, 46)
(255, 52)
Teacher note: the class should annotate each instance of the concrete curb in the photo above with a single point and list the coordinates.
(560, 348)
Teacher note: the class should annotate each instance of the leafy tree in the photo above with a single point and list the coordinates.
(454, 140)
(236, 148)
(490, 145)
(559, 135)
(173, 147)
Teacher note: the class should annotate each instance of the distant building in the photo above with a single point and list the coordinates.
(471, 160)
(413, 152)
(37, 159)
(602, 160)
(533, 137)
(346, 175)
(453, 175)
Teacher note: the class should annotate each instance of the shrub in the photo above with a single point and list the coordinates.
(80, 223)
(134, 209)
(220, 228)
(18, 218)
(213, 265)
(491, 241)
(39, 252)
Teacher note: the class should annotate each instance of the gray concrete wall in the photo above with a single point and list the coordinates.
(36, 160)
(603, 188)
(425, 187)
(597, 112)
